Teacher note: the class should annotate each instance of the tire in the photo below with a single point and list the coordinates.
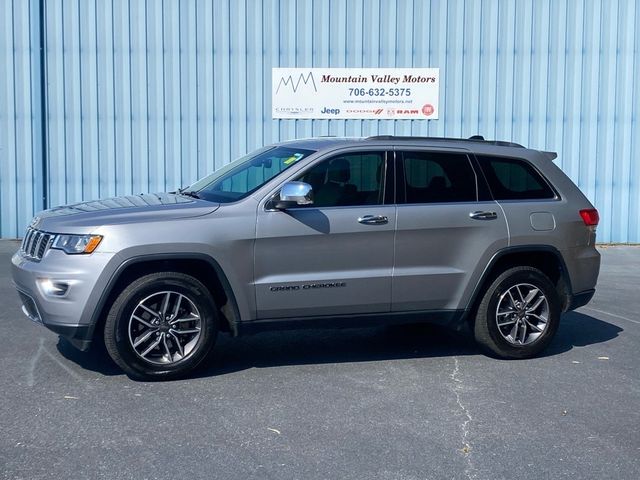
(498, 315)
(186, 331)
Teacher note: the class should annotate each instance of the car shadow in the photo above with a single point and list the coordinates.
(348, 345)
(96, 359)
(305, 347)
(580, 330)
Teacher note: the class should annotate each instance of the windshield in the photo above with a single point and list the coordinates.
(245, 175)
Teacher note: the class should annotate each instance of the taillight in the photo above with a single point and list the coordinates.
(590, 217)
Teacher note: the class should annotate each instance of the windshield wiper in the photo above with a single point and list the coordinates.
(189, 193)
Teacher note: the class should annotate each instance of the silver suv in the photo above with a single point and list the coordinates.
(473, 234)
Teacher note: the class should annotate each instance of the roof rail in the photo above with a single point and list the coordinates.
(475, 138)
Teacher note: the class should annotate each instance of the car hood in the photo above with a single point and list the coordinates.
(86, 216)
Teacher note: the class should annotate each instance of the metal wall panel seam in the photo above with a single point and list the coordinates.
(15, 113)
(196, 89)
(22, 113)
(480, 57)
(64, 104)
(33, 101)
(16, 118)
(182, 158)
(146, 83)
(616, 213)
(165, 116)
(98, 169)
(82, 156)
(622, 176)
(131, 114)
(39, 119)
(634, 219)
(602, 194)
(5, 122)
(116, 190)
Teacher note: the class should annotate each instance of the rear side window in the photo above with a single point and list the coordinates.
(435, 177)
(514, 179)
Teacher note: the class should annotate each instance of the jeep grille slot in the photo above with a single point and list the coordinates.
(35, 243)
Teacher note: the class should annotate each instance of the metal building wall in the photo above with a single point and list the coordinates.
(150, 95)
(20, 116)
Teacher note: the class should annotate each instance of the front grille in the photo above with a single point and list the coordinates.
(35, 243)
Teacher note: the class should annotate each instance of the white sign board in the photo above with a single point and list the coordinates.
(355, 93)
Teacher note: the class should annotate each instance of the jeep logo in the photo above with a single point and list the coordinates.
(330, 111)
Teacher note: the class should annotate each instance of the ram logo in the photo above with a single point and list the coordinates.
(307, 80)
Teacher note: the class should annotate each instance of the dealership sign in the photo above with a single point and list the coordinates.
(355, 93)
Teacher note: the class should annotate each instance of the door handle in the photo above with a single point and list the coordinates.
(373, 220)
(480, 215)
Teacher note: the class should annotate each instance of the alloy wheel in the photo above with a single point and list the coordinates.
(164, 328)
(522, 314)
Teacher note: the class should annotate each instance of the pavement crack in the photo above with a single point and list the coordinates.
(467, 448)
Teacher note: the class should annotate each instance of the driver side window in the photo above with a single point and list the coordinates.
(348, 180)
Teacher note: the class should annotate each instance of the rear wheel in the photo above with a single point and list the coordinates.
(519, 314)
(161, 326)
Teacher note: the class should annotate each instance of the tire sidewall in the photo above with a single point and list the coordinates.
(118, 323)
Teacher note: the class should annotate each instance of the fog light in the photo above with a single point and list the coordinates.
(54, 289)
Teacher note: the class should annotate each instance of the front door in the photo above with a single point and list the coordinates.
(332, 257)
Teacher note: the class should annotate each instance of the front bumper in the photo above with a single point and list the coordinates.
(64, 314)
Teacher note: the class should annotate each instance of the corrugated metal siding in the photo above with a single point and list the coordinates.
(149, 95)
(20, 122)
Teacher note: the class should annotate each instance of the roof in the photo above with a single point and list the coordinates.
(322, 143)
(475, 138)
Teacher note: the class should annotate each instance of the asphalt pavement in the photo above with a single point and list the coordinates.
(403, 402)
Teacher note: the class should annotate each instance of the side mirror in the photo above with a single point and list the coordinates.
(294, 194)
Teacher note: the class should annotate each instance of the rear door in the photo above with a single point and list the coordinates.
(447, 229)
(333, 257)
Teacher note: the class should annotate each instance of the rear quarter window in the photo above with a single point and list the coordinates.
(514, 179)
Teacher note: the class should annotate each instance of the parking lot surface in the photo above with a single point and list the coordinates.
(404, 402)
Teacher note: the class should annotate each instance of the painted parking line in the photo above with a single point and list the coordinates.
(611, 314)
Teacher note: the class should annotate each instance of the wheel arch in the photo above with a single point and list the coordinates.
(203, 267)
(545, 258)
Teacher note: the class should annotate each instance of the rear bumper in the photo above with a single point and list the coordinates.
(580, 299)
(583, 267)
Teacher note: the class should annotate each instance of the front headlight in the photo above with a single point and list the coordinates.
(76, 243)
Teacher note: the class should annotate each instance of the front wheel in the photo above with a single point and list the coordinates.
(161, 326)
(519, 314)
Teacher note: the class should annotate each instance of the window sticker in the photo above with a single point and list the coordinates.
(293, 158)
